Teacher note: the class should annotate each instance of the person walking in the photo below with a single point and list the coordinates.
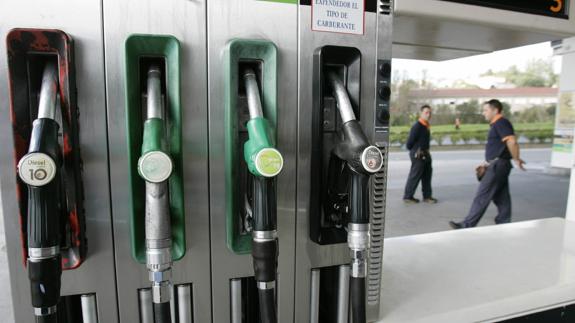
(493, 174)
(421, 170)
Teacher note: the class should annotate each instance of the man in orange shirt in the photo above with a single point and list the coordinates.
(418, 145)
(501, 147)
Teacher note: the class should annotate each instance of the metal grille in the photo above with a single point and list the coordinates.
(385, 7)
(376, 231)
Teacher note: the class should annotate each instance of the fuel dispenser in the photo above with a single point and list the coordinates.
(252, 182)
(252, 163)
(46, 147)
(342, 157)
(154, 153)
(252, 118)
(155, 167)
(264, 163)
(50, 180)
(157, 97)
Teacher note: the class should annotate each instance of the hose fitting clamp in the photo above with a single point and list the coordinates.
(358, 236)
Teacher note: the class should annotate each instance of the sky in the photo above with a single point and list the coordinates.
(445, 72)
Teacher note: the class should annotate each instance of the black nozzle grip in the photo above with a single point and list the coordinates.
(352, 146)
(45, 276)
(44, 137)
(265, 257)
(44, 201)
(43, 216)
(264, 206)
(359, 198)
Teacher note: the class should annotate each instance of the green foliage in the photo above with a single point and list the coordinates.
(469, 133)
(537, 73)
(469, 112)
(535, 114)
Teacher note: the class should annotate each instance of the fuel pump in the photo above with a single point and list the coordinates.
(155, 167)
(40, 170)
(264, 163)
(361, 160)
(46, 150)
(154, 141)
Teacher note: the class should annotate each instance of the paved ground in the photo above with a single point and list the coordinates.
(535, 195)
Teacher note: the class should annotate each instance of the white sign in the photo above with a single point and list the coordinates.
(36, 169)
(338, 16)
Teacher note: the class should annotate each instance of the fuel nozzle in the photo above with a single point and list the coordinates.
(264, 162)
(39, 169)
(363, 160)
(155, 167)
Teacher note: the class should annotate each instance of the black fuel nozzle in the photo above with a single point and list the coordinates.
(39, 169)
(363, 160)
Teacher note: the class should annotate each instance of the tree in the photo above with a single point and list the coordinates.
(402, 107)
(469, 112)
(538, 73)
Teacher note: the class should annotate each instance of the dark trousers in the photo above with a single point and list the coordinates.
(494, 186)
(420, 171)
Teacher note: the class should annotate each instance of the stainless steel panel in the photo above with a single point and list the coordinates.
(378, 187)
(82, 20)
(276, 22)
(89, 308)
(185, 20)
(145, 303)
(184, 304)
(308, 253)
(314, 304)
(236, 300)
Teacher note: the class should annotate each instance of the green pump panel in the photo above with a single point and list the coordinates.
(140, 52)
(261, 56)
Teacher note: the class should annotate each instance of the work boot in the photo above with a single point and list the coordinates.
(430, 200)
(411, 200)
(455, 225)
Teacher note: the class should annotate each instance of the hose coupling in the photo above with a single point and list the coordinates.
(267, 285)
(358, 236)
(43, 311)
(161, 292)
(158, 260)
(358, 263)
(37, 254)
(263, 236)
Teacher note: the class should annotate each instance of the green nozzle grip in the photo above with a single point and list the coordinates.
(259, 152)
(153, 136)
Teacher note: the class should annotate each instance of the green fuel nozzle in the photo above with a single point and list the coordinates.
(264, 162)
(155, 167)
(259, 152)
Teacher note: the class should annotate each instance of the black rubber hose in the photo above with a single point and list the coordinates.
(52, 318)
(267, 305)
(162, 313)
(357, 295)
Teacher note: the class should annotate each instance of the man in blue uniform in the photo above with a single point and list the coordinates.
(501, 147)
(418, 145)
